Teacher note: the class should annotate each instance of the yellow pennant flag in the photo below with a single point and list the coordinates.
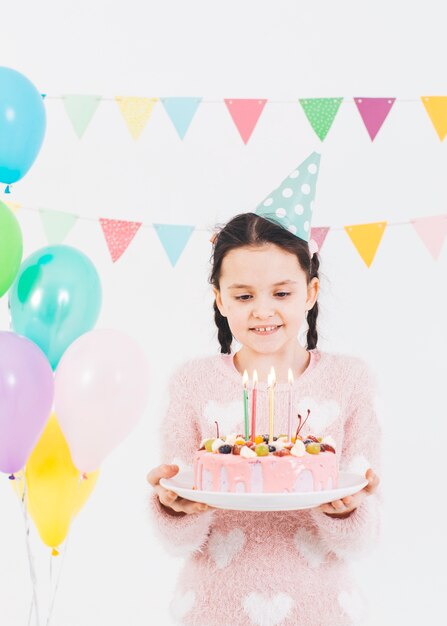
(136, 112)
(436, 107)
(366, 238)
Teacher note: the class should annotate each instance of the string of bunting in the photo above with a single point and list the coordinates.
(118, 233)
(245, 112)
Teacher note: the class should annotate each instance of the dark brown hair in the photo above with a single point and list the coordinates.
(249, 229)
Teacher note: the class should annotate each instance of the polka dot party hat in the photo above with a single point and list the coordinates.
(291, 204)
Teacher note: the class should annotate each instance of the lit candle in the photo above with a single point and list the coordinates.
(271, 385)
(254, 394)
(289, 416)
(245, 383)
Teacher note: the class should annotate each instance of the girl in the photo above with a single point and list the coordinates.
(273, 568)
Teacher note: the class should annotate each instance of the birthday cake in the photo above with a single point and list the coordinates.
(267, 464)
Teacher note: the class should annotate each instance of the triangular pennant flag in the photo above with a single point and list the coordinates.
(432, 231)
(436, 107)
(174, 239)
(245, 114)
(181, 111)
(136, 112)
(57, 225)
(321, 113)
(373, 112)
(366, 238)
(14, 206)
(80, 110)
(118, 235)
(318, 233)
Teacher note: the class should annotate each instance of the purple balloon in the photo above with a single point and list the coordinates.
(26, 398)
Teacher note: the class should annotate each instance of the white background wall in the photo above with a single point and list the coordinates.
(392, 314)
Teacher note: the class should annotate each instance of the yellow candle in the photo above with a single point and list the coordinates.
(290, 408)
(271, 385)
(245, 384)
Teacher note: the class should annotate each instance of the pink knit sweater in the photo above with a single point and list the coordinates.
(273, 568)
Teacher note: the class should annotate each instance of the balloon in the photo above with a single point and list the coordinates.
(26, 396)
(22, 124)
(55, 298)
(56, 491)
(10, 248)
(100, 393)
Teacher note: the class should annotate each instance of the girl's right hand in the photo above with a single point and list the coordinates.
(170, 500)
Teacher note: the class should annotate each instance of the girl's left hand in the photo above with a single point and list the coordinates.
(348, 504)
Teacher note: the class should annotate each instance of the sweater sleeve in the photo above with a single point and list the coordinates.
(361, 450)
(180, 438)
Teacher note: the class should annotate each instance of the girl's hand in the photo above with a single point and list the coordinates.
(345, 506)
(169, 499)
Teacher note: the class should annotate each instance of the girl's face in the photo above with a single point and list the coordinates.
(264, 296)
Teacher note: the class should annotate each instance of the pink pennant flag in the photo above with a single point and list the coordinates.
(374, 112)
(432, 231)
(118, 235)
(245, 114)
(319, 234)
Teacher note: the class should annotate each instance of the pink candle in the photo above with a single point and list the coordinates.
(254, 393)
(290, 408)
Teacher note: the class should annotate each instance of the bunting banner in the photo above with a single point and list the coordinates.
(174, 239)
(321, 113)
(136, 112)
(118, 234)
(181, 112)
(56, 225)
(246, 112)
(80, 110)
(374, 112)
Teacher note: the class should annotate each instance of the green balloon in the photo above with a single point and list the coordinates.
(11, 248)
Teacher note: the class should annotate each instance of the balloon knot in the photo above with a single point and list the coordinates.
(7, 189)
(54, 552)
(11, 477)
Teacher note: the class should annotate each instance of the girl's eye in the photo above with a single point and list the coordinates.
(283, 294)
(244, 298)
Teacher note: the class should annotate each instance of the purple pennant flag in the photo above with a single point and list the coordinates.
(374, 112)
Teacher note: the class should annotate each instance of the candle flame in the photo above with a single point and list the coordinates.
(245, 378)
(255, 378)
(290, 374)
(271, 378)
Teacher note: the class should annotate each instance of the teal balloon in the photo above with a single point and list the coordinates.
(55, 298)
(22, 124)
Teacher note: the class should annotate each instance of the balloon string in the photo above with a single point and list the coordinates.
(34, 602)
(56, 587)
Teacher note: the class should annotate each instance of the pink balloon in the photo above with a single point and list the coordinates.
(26, 397)
(101, 391)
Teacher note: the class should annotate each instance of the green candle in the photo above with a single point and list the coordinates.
(245, 383)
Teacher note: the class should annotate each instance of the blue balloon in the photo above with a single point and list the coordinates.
(22, 124)
(55, 298)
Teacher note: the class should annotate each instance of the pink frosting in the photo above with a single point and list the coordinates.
(269, 474)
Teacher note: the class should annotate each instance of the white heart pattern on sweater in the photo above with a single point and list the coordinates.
(223, 548)
(310, 547)
(322, 414)
(264, 611)
(353, 604)
(182, 604)
(228, 415)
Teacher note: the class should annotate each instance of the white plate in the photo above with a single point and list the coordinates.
(183, 482)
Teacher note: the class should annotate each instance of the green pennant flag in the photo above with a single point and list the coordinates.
(57, 225)
(321, 113)
(80, 110)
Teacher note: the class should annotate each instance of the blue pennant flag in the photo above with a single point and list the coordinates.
(174, 239)
(181, 111)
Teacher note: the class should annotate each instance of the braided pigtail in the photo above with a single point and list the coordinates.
(312, 314)
(223, 331)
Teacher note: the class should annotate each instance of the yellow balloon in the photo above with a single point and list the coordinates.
(56, 490)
